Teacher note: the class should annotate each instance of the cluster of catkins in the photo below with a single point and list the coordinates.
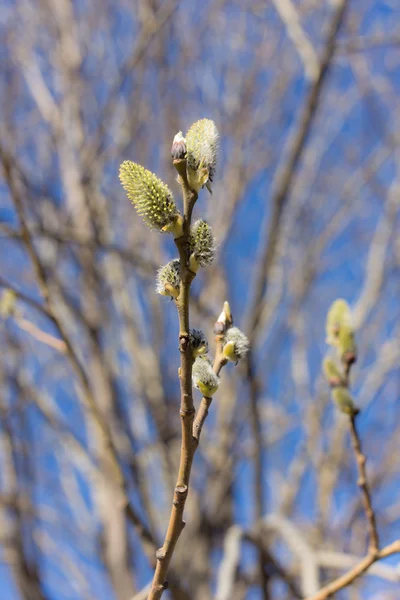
(155, 203)
(340, 335)
(235, 346)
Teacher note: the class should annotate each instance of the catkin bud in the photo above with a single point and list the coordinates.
(169, 279)
(332, 372)
(178, 150)
(224, 321)
(346, 346)
(201, 153)
(204, 378)
(152, 199)
(202, 245)
(198, 342)
(339, 315)
(340, 332)
(344, 401)
(236, 344)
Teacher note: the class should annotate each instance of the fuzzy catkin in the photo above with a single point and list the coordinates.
(198, 342)
(203, 376)
(201, 153)
(340, 331)
(169, 279)
(339, 316)
(236, 344)
(152, 199)
(202, 145)
(202, 243)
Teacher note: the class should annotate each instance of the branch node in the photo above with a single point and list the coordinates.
(183, 342)
(187, 412)
(181, 491)
(160, 554)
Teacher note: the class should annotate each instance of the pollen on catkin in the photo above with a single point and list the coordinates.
(198, 342)
(201, 153)
(202, 245)
(169, 279)
(152, 199)
(236, 344)
(204, 378)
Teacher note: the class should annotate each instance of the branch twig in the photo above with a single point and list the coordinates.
(355, 572)
(187, 411)
(191, 426)
(363, 484)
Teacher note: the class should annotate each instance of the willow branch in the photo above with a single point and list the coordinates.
(355, 572)
(362, 475)
(363, 484)
(187, 411)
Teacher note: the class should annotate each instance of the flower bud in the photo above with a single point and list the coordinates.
(201, 148)
(332, 372)
(339, 315)
(225, 320)
(236, 344)
(178, 150)
(204, 378)
(198, 342)
(340, 331)
(344, 401)
(169, 279)
(202, 245)
(346, 346)
(152, 199)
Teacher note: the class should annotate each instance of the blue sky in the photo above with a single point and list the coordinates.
(236, 65)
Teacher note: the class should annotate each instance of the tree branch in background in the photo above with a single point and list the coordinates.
(340, 335)
(355, 572)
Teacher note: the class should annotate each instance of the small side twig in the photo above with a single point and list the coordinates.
(362, 481)
(355, 572)
(363, 484)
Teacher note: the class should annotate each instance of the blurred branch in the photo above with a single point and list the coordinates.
(368, 42)
(355, 572)
(111, 456)
(376, 260)
(296, 33)
(227, 570)
(41, 336)
(281, 187)
(286, 172)
(340, 560)
(363, 484)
